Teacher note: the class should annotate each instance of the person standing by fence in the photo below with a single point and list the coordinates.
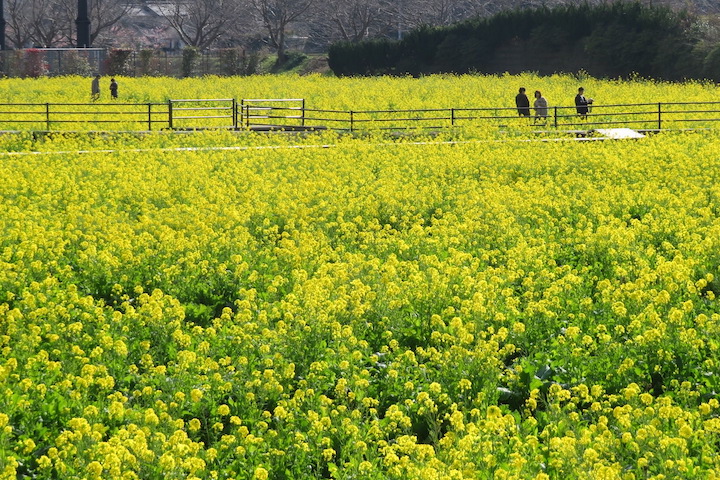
(582, 104)
(95, 88)
(522, 103)
(541, 108)
(113, 88)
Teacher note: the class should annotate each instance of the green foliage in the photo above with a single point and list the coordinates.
(292, 61)
(711, 64)
(236, 61)
(190, 56)
(116, 63)
(75, 64)
(373, 57)
(145, 59)
(611, 40)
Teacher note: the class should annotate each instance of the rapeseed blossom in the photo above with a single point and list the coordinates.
(379, 308)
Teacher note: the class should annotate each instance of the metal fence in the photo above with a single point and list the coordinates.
(83, 116)
(203, 113)
(293, 114)
(52, 62)
(273, 112)
(645, 116)
(89, 61)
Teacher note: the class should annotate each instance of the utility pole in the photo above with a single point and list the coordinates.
(83, 25)
(2, 25)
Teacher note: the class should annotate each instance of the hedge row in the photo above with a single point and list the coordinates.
(610, 40)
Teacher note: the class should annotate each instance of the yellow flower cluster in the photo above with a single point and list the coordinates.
(493, 93)
(373, 309)
(434, 91)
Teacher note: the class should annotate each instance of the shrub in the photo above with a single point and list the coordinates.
(293, 59)
(116, 62)
(236, 61)
(611, 39)
(34, 63)
(190, 57)
(75, 63)
(145, 56)
(711, 64)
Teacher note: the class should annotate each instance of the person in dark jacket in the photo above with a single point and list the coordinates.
(582, 104)
(95, 88)
(522, 103)
(113, 88)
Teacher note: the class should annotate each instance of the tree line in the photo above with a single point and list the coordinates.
(606, 40)
(255, 24)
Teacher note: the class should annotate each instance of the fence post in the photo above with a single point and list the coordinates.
(452, 117)
(351, 120)
(149, 116)
(170, 114)
(47, 116)
(556, 117)
(234, 114)
(659, 116)
(303, 112)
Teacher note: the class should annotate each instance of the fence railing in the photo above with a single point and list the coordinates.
(643, 116)
(90, 61)
(79, 116)
(209, 113)
(278, 114)
(273, 112)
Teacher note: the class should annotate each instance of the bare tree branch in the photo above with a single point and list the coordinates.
(275, 16)
(18, 17)
(349, 20)
(201, 23)
(37, 22)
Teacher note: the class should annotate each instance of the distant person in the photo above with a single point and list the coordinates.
(541, 108)
(95, 88)
(522, 103)
(582, 103)
(113, 88)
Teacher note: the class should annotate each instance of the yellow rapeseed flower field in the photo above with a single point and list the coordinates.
(467, 101)
(436, 91)
(221, 305)
(64, 103)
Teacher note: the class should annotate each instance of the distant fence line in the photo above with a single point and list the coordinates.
(294, 114)
(36, 62)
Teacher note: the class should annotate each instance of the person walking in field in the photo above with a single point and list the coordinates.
(541, 108)
(113, 88)
(522, 103)
(95, 88)
(582, 104)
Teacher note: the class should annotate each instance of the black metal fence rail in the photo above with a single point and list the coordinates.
(209, 113)
(643, 116)
(73, 116)
(273, 112)
(196, 114)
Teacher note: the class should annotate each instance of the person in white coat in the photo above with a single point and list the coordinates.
(541, 108)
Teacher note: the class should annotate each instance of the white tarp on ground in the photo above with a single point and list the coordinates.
(619, 133)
